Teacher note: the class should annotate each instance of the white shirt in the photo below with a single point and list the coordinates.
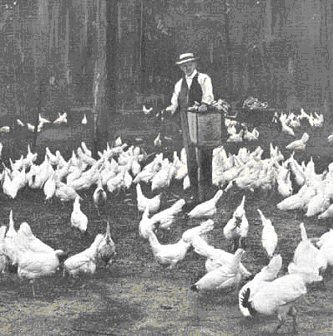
(206, 85)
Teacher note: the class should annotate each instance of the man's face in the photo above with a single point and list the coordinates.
(188, 68)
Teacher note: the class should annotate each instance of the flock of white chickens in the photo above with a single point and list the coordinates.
(120, 166)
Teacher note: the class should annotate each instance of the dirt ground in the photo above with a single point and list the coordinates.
(135, 296)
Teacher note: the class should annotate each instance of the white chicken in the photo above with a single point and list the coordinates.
(9, 187)
(267, 273)
(10, 247)
(186, 182)
(3, 256)
(146, 110)
(283, 181)
(53, 159)
(236, 230)
(275, 153)
(299, 200)
(251, 136)
(157, 140)
(43, 120)
(31, 128)
(30, 158)
(84, 120)
(328, 213)
(128, 179)
(231, 129)
(307, 259)
(181, 168)
(236, 137)
(317, 204)
(78, 219)
(4, 129)
(316, 120)
(38, 175)
(150, 170)
(109, 170)
(84, 262)
(25, 239)
(170, 254)
(35, 258)
(304, 115)
(33, 265)
(287, 129)
(87, 159)
(207, 208)
(143, 202)
(117, 182)
(296, 170)
(85, 149)
(269, 238)
(164, 176)
(325, 244)
(275, 297)
(198, 230)
(299, 145)
(118, 141)
(20, 122)
(330, 138)
(145, 175)
(18, 164)
(61, 172)
(224, 276)
(135, 166)
(237, 227)
(99, 196)
(146, 224)
(19, 178)
(215, 257)
(62, 119)
(107, 248)
(49, 187)
(75, 172)
(166, 217)
(65, 192)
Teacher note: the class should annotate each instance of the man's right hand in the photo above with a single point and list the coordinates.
(170, 109)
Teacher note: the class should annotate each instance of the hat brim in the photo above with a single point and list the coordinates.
(192, 59)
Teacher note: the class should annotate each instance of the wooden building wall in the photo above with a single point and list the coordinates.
(55, 47)
(277, 50)
(110, 55)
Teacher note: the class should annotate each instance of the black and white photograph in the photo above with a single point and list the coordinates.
(166, 167)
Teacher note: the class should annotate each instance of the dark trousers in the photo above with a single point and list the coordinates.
(199, 163)
(204, 160)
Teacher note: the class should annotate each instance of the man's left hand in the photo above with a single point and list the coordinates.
(202, 108)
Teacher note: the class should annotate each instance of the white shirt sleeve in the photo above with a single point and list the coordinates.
(175, 95)
(207, 88)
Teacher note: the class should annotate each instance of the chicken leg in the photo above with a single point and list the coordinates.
(281, 314)
(293, 313)
(33, 288)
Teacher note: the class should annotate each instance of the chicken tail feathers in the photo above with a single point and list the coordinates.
(245, 303)
(245, 298)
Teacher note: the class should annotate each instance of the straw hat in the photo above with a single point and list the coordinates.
(185, 58)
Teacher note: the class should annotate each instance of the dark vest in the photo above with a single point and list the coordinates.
(187, 97)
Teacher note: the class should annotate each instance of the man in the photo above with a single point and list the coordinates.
(193, 87)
